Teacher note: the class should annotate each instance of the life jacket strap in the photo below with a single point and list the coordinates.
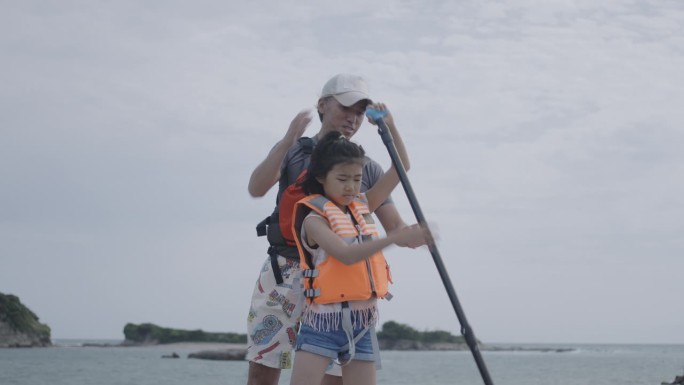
(310, 273)
(349, 331)
(350, 347)
(376, 348)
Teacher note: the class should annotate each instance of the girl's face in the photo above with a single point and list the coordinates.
(343, 183)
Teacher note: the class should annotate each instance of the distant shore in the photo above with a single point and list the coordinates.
(238, 346)
(124, 344)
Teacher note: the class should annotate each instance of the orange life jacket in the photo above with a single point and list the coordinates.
(332, 281)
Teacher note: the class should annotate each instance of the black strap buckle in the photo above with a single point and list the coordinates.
(262, 227)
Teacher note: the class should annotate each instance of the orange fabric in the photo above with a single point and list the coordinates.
(288, 199)
(339, 282)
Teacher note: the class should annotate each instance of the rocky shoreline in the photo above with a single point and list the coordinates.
(19, 327)
(449, 346)
(11, 338)
(237, 352)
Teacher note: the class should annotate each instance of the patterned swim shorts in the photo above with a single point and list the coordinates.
(273, 315)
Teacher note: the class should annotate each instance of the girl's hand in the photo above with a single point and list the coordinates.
(413, 236)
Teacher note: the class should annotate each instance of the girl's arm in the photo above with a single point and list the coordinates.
(377, 194)
(319, 233)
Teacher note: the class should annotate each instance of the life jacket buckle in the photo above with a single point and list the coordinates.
(310, 273)
(312, 293)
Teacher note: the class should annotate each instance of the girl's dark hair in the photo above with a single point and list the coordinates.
(331, 150)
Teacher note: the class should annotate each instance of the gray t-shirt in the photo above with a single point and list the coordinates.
(296, 161)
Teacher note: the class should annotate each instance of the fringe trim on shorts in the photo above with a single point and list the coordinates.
(327, 321)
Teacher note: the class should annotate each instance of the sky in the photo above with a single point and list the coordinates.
(544, 136)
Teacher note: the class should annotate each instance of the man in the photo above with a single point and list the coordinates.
(278, 299)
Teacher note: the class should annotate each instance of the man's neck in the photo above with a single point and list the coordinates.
(324, 131)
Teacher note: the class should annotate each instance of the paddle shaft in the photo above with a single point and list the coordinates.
(466, 330)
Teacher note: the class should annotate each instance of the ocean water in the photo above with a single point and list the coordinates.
(71, 364)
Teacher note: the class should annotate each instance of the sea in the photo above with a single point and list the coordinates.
(69, 362)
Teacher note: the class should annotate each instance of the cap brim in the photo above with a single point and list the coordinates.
(348, 99)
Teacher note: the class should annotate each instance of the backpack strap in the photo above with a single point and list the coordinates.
(307, 144)
(275, 267)
(270, 226)
(263, 228)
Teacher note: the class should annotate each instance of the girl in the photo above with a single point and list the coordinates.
(344, 269)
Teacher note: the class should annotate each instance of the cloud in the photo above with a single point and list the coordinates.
(543, 139)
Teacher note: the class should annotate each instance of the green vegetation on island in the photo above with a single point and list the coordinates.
(395, 331)
(148, 333)
(396, 336)
(19, 326)
(393, 336)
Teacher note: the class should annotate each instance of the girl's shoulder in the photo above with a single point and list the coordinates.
(313, 214)
(307, 219)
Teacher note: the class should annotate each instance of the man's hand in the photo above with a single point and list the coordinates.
(297, 127)
(389, 120)
(267, 173)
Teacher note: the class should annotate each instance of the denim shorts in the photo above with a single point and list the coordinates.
(331, 343)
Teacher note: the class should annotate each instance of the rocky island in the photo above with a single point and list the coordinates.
(151, 334)
(393, 336)
(19, 326)
(396, 336)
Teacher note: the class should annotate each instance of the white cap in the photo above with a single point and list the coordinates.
(347, 89)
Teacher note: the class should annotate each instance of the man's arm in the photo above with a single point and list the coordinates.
(267, 173)
(387, 213)
(383, 187)
(389, 217)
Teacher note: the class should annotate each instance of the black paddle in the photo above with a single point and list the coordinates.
(466, 330)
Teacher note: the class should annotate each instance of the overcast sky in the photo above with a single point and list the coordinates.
(545, 141)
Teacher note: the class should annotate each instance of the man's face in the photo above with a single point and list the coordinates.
(336, 117)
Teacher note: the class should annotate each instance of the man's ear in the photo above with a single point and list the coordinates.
(321, 105)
